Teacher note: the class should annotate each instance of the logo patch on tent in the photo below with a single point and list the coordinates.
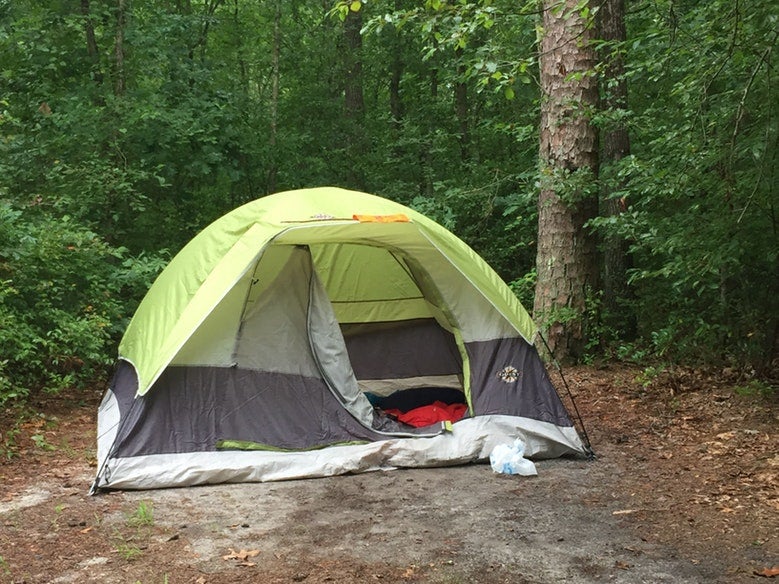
(508, 374)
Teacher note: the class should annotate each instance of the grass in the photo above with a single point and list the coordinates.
(58, 509)
(143, 516)
(128, 551)
(756, 388)
(141, 520)
(8, 446)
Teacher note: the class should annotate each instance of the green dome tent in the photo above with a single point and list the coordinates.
(261, 350)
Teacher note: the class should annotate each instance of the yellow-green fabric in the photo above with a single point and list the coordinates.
(204, 272)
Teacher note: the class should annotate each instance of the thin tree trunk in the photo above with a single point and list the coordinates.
(397, 110)
(396, 105)
(354, 101)
(120, 81)
(426, 186)
(92, 50)
(462, 110)
(615, 145)
(396, 74)
(240, 48)
(434, 83)
(568, 159)
(274, 101)
(202, 37)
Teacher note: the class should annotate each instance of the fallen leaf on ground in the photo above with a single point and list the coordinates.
(242, 555)
(768, 572)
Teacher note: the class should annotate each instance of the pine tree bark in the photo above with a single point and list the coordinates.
(568, 160)
(615, 145)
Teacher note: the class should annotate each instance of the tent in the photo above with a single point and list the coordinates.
(264, 349)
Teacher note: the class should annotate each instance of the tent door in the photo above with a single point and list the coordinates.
(329, 351)
(332, 358)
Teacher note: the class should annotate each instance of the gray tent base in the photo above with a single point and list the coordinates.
(470, 440)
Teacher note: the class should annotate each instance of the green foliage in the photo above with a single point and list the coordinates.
(494, 220)
(571, 186)
(143, 516)
(98, 179)
(65, 297)
(524, 287)
(649, 375)
(128, 550)
(140, 521)
(8, 444)
(600, 338)
(700, 186)
(757, 388)
(41, 443)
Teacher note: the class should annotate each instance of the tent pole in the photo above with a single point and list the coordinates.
(559, 367)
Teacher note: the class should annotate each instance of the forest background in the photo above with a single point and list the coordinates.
(126, 126)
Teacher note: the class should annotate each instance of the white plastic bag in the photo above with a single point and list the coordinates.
(510, 459)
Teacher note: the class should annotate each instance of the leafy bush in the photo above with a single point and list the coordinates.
(499, 223)
(65, 297)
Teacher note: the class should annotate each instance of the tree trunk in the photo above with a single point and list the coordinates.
(353, 94)
(426, 184)
(274, 100)
(615, 145)
(461, 109)
(201, 41)
(396, 105)
(240, 48)
(397, 109)
(354, 102)
(568, 161)
(396, 74)
(92, 50)
(120, 81)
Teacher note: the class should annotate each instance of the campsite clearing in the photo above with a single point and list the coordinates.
(683, 490)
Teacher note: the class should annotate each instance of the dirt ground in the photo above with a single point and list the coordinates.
(685, 489)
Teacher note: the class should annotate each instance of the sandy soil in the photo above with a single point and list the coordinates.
(684, 489)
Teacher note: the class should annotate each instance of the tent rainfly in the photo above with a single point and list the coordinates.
(280, 341)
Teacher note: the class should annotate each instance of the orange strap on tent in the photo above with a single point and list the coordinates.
(398, 218)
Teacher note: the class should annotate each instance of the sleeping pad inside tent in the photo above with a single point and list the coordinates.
(319, 332)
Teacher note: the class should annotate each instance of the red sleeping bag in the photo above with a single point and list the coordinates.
(438, 411)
